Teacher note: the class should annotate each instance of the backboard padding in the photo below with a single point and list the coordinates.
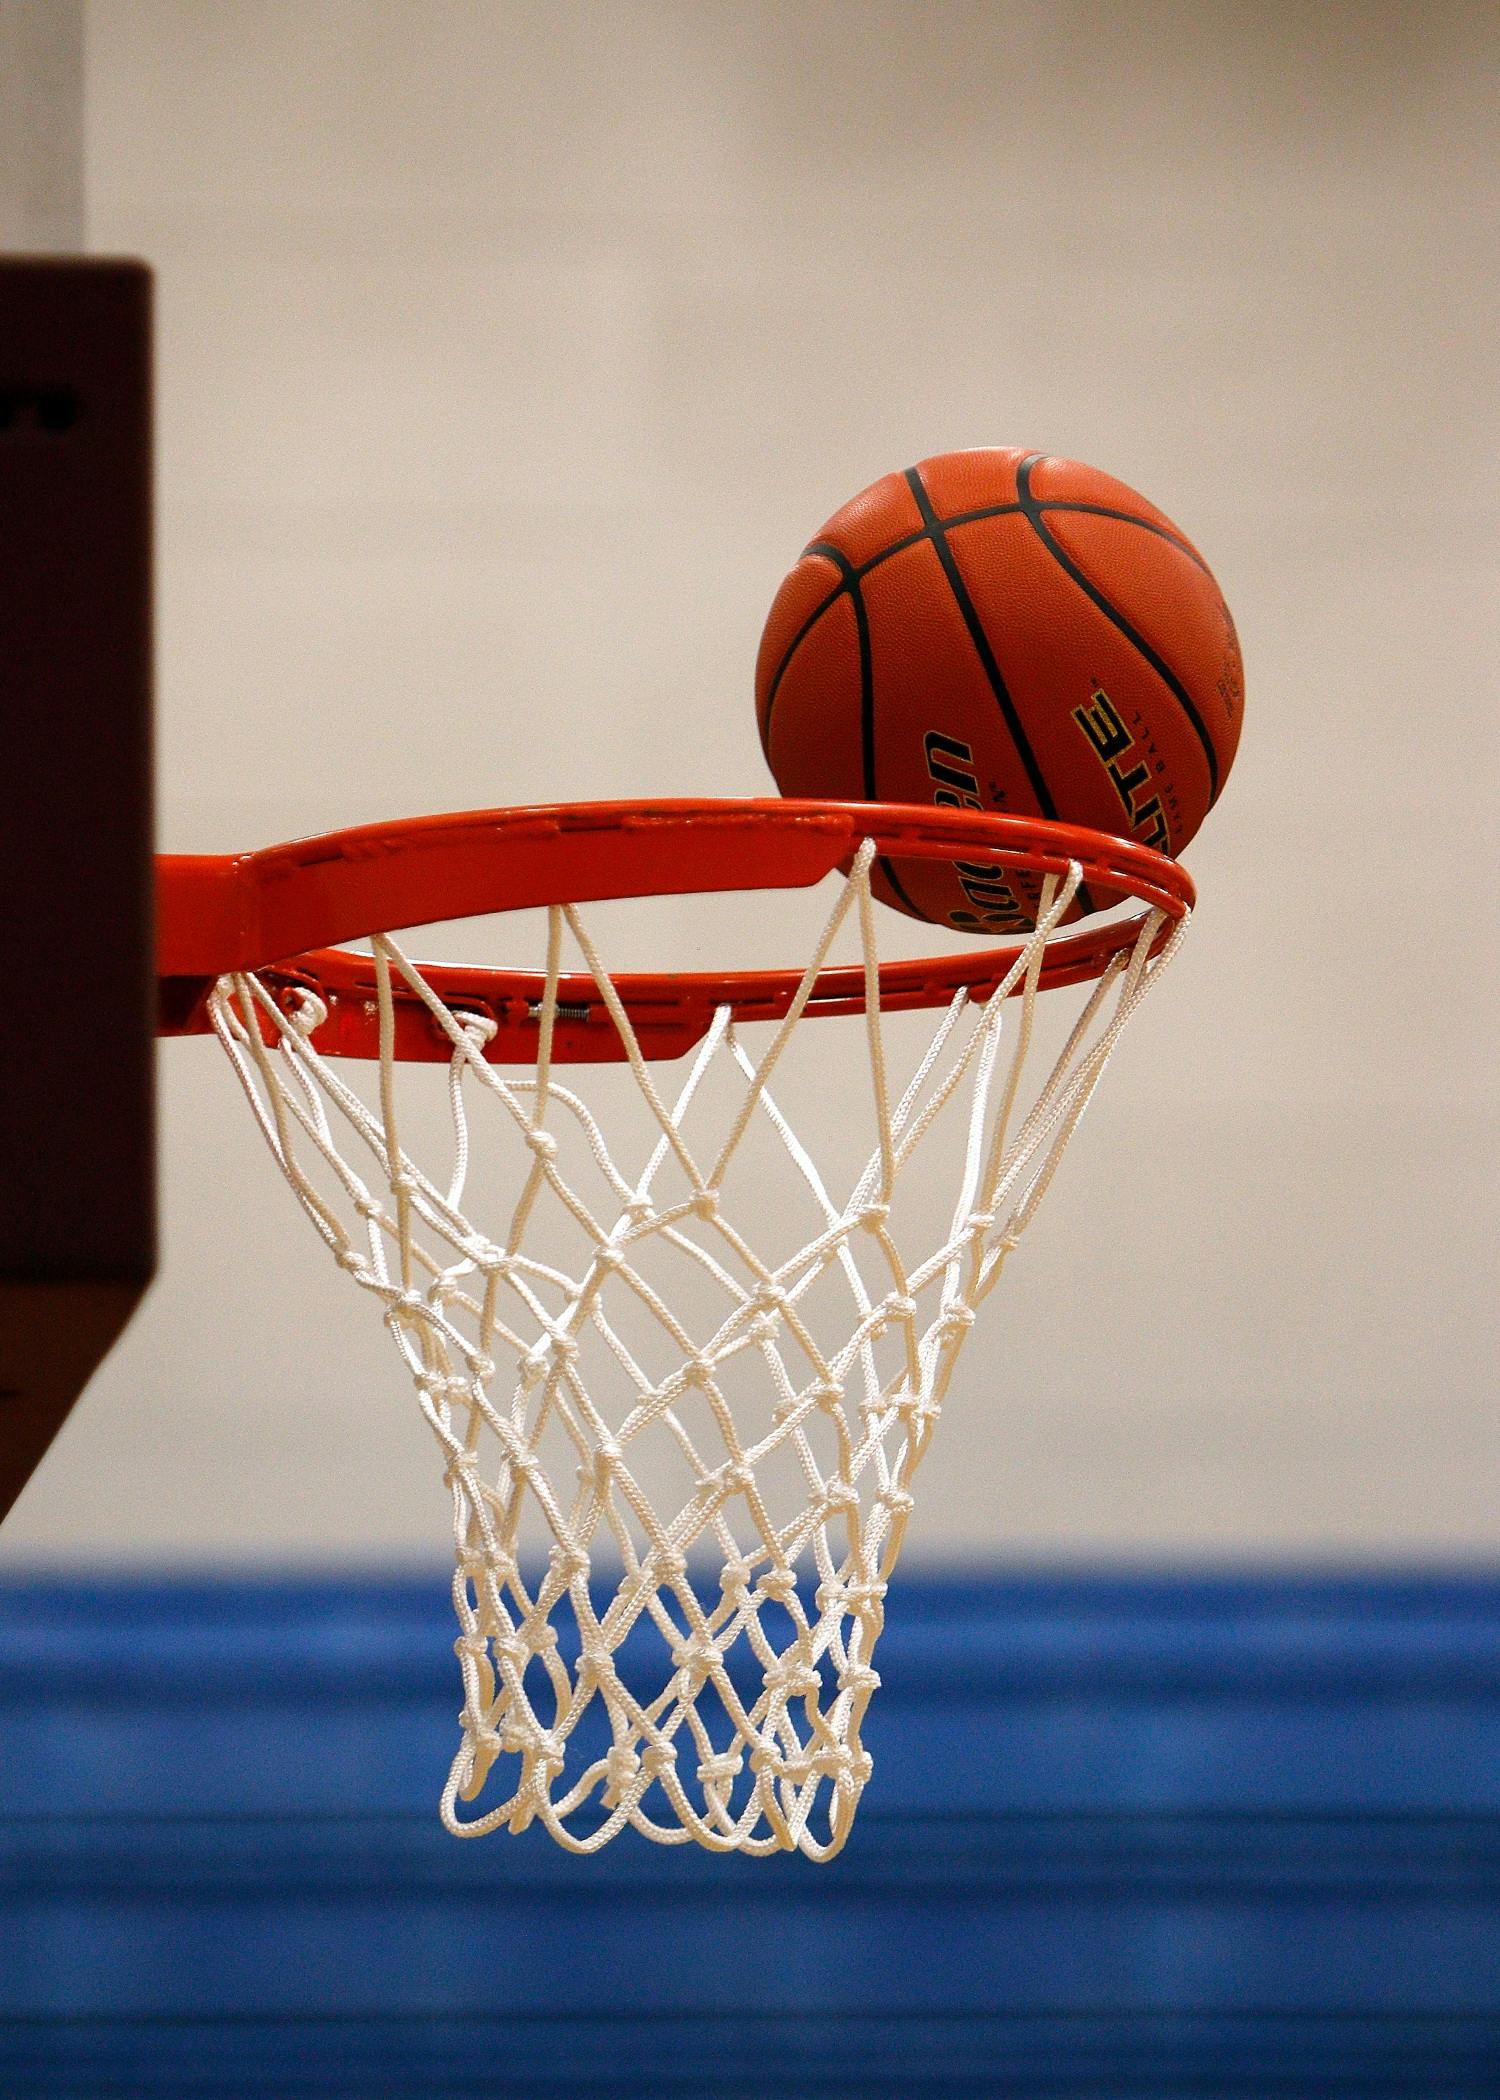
(77, 1184)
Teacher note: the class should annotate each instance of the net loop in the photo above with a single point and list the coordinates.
(681, 1392)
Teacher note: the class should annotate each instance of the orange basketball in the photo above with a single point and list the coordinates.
(1005, 631)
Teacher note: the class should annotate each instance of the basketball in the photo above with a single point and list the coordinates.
(1001, 630)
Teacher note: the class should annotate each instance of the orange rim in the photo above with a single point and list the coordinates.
(282, 911)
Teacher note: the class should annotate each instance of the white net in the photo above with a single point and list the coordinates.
(681, 1401)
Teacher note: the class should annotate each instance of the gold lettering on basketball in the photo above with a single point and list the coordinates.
(955, 785)
(1111, 741)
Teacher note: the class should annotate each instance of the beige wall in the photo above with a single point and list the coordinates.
(508, 355)
(41, 125)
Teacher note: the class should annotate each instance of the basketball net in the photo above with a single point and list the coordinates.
(691, 1650)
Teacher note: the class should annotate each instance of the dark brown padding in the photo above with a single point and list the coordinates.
(77, 1179)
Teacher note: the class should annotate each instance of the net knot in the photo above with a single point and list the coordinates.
(859, 1677)
(720, 1772)
(352, 1262)
(848, 1596)
(793, 1676)
(779, 1585)
(873, 1216)
(769, 1762)
(549, 1755)
(609, 1258)
(665, 1564)
(459, 1471)
(525, 1462)
(477, 1029)
(568, 1562)
(309, 1014)
(736, 1478)
(542, 1143)
(839, 1494)
(405, 1305)
(471, 1644)
(486, 1256)
(956, 1319)
(858, 1766)
(621, 1769)
(525, 1737)
(899, 1307)
(596, 1666)
(694, 1658)
(510, 1648)
(658, 1757)
(607, 1461)
(705, 1204)
(897, 1501)
(481, 1369)
(734, 1581)
(979, 1221)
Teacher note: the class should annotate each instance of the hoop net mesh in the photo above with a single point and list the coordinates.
(680, 1461)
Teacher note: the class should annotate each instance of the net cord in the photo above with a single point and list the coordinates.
(763, 1766)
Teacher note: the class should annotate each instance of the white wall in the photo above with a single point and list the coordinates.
(508, 356)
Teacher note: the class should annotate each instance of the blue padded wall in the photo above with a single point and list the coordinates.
(1126, 1836)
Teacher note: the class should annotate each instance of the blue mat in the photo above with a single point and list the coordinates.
(1126, 1835)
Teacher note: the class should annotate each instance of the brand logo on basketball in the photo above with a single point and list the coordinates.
(950, 765)
(1114, 745)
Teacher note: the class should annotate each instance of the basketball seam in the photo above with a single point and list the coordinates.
(1032, 508)
(825, 552)
(1121, 517)
(852, 573)
(989, 663)
(850, 581)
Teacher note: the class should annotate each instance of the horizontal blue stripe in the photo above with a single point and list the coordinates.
(1134, 1835)
(1112, 2055)
(946, 1636)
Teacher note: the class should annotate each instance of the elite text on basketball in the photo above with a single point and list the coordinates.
(1112, 743)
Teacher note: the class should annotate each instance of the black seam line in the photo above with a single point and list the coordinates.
(850, 582)
(938, 535)
(888, 870)
(846, 573)
(1138, 642)
(850, 575)
(1121, 517)
(1007, 510)
(981, 641)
